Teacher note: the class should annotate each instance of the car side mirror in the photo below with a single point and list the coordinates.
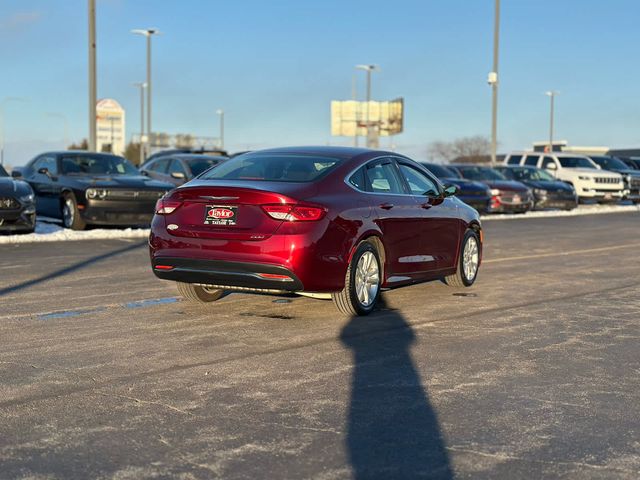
(44, 171)
(178, 175)
(16, 173)
(450, 190)
(551, 166)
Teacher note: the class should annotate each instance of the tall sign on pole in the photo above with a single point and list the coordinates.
(93, 94)
(493, 81)
(384, 118)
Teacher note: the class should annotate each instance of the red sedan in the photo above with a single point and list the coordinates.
(326, 222)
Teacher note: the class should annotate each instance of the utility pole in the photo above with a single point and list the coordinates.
(93, 96)
(221, 142)
(493, 81)
(143, 140)
(372, 134)
(552, 95)
(354, 97)
(148, 33)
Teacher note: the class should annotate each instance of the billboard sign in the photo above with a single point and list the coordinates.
(350, 118)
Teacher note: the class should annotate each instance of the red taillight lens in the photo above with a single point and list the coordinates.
(165, 207)
(294, 213)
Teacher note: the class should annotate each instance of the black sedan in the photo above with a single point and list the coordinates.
(17, 205)
(548, 191)
(84, 188)
(179, 168)
(507, 196)
(474, 194)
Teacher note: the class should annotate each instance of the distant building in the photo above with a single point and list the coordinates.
(111, 126)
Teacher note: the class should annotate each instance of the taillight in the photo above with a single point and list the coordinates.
(165, 207)
(294, 213)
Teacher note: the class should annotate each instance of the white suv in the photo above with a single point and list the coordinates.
(589, 181)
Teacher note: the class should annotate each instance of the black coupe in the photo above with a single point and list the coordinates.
(84, 188)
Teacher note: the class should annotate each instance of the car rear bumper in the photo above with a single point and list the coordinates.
(227, 275)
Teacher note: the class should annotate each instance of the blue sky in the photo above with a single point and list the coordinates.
(274, 66)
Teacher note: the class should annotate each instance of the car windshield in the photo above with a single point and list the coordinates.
(273, 168)
(610, 163)
(441, 171)
(199, 165)
(3, 172)
(481, 173)
(534, 174)
(96, 165)
(576, 162)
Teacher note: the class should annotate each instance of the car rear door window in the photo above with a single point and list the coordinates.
(176, 167)
(382, 178)
(159, 166)
(514, 160)
(418, 182)
(546, 161)
(531, 160)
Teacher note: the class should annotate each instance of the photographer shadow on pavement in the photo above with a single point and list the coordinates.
(393, 431)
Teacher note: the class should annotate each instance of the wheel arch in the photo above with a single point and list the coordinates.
(375, 239)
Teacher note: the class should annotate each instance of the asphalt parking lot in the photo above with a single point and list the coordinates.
(532, 373)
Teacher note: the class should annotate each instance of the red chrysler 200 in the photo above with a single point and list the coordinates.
(325, 222)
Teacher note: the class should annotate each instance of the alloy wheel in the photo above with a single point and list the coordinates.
(367, 279)
(470, 257)
(68, 212)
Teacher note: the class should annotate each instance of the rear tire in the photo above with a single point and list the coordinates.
(199, 294)
(362, 283)
(468, 262)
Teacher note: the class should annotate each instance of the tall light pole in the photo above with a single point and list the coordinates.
(149, 32)
(93, 95)
(354, 97)
(66, 125)
(2, 104)
(221, 141)
(143, 139)
(493, 81)
(372, 137)
(552, 95)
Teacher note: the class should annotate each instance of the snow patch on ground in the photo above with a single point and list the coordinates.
(581, 210)
(51, 232)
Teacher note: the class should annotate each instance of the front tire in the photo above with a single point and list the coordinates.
(198, 293)
(468, 263)
(362, 283)
(70, 214)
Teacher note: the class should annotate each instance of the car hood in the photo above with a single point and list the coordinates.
(548, 185)
(120, 181)
(591, 171)
(508, 185)
(11, 187)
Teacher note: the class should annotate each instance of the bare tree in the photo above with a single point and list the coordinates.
(475, 149)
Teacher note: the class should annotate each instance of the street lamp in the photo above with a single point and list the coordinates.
(552, 95)
(2, 104)
(143, 138)
(371, 142)
(149, 32)
(93, 95)
(221, 141)
(493, 81)
(66, 125)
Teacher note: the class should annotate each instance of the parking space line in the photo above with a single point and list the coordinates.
(562, 254)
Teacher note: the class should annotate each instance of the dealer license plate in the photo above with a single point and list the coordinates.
(222, 215)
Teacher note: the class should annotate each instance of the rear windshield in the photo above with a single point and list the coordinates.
(3, 172)
(96, 165)
(576, 162)
(440, 171)
(199, 165)
(273, 168)
(480, 173)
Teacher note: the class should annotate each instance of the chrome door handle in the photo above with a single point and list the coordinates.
(386, 206)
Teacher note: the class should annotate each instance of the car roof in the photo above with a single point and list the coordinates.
(343, 153)
(190, 156)
(77, 153)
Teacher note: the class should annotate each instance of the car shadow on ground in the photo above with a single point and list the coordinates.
(71, 268)
(393, 430)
